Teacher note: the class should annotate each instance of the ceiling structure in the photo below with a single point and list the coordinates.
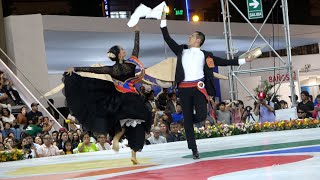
(84, 45)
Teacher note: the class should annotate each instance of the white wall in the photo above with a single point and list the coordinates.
(25, 44)
(253, 80)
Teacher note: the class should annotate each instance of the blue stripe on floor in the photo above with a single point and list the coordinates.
(285, 151)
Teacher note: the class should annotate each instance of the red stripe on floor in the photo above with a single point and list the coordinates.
(204, 169)
(81, 174)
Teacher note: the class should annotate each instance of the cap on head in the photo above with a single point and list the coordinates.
(34, 104)
(262, 95)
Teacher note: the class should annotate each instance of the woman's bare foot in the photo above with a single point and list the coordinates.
(134, 161)
(115, 144)
(116, 139)
(134, 157)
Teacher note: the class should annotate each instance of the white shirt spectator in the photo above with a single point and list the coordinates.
(45, 151)
(9, 119)
(106, 146)
(159, 140)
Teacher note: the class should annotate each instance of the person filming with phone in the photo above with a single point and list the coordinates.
(264, 109)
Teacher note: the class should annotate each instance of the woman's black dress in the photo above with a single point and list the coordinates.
(99, 107)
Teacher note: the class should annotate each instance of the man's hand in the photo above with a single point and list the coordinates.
(70, 71)
(250, 58)
(136, 28)
(164, 14)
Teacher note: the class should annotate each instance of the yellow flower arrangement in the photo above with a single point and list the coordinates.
(11, 155)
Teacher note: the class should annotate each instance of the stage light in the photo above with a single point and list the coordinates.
(195, 18)
(187, 9)
(167, 10)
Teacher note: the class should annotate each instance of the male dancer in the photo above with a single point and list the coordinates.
(194, 78)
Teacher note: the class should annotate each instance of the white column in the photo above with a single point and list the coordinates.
(25, 45)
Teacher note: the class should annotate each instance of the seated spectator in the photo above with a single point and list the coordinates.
(174, 135)
(22, 120)
(34, 112)
(283, 104)
(68, 148)
(9, 143)
(7, 116)
(13, 95)
(86, 145)
(223, 113)
(29, 150)
(75, 140)
(1, 146)
(32, 129)
(4, 97)
(47, 149)
(7, 130)
(177, 117)
(54, 136)
(102, 143)
(172, 103)
(156, 138)
(63, 137)
(38, 140)
(164, 130)
(166, 118)
(207, 124)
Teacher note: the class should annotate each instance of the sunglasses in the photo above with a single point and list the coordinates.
(300, 112)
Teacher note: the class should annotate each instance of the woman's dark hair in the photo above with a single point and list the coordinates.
(6, 110)
(64, 148)
(113, 53)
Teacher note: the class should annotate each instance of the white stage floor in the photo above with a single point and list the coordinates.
(283, 155)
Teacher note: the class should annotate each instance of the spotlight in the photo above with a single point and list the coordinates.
(195, 18)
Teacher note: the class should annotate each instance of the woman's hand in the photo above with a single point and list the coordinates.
(70, 71)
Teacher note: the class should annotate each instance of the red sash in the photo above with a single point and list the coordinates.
(200, 86)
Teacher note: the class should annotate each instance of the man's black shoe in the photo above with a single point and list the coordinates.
(195, 154)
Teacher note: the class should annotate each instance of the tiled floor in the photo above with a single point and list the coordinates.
(281, 155)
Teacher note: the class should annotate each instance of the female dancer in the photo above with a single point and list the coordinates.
(114, 107)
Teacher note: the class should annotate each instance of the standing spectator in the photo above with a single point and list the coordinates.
(223, 113)
(163, 98)
(51, 110)
(237, 111)
(315, 113)
(264, 108)
(306, 104)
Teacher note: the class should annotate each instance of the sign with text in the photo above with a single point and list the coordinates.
(254, 9)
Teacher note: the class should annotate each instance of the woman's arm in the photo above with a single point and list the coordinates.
(136, 47)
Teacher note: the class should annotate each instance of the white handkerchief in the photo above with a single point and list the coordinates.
(144, 11)
(157, 11)
(140, 12)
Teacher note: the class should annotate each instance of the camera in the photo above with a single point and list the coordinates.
(27, 146)
(248, 108)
